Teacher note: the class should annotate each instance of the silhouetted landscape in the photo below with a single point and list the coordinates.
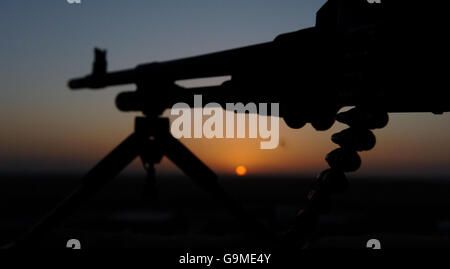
(401, 213)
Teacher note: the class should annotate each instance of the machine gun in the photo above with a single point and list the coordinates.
(393, 56)
(379, 57)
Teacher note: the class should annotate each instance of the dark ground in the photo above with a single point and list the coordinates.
(400, 213)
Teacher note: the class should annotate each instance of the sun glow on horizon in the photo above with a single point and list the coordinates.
(241, 170)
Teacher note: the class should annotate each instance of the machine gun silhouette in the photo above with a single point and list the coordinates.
(379, 58)
(357, 54)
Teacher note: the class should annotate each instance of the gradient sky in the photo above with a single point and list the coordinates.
(44, 127)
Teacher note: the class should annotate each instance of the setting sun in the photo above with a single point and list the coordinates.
(241, 170)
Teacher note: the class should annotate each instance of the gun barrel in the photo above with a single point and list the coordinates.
(221, 63)
(96, 81)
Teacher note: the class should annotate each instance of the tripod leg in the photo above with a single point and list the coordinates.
(206, 179)
(95, 179)
(190, 164)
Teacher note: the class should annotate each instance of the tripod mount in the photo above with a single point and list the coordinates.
(150, 141)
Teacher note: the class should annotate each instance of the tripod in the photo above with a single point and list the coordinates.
(151, 141)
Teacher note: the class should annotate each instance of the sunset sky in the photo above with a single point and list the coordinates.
(46, 128)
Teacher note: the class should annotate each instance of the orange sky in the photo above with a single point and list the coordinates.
(74, 140)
